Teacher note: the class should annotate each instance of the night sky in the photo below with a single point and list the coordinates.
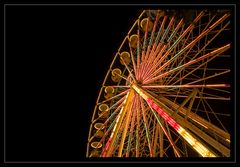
(56, 60)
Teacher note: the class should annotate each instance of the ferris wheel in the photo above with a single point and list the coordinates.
(167, 90)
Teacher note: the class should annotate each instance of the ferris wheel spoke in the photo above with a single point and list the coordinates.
(160, 131)
(126, 79)
(119, 102)
(206, 29)
(131, 129)
(175, 31)
(211, 95)
(161, 29)
(167, 30)
(186, 91)
(189, 73)
(220, 90)
(155, 137)
(160, 58)
(128, 115)
(145, 96)
(162, 101)
(204, 108)
(176, 151)
(138, 51)
(112, 124)
(132, 58)
(189, 137)
(120, 86)
(199, 51)
(131, 74)
(217, 51)
(148, 60)
(152, 64)
(145, 56)
(171, 76)
(185, 40)
(114, 97)
(148, 56)
(197, 119)
(166, 134)
(204, 100)
(181, 67)
(179, 151)
(188, 86)
(202, 135)
(217, 113)
(144, 65)
(146, 126)
(198, 97)
(111, 118)
(112, 138)
(137, 126)
(211, 76)
(190, 27)
(151, 43)
(105, 134)
(145, 41)
(154, 28)
(187, 47)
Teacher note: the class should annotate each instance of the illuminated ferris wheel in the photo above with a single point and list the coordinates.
(167, 90)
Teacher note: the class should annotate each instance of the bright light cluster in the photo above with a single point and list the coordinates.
(188, 137)
(202, 150)
(114, 129)
(163, 114)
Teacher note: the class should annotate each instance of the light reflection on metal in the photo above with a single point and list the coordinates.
(202, 150)
(165, 57)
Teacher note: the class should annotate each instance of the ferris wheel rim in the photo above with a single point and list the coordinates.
(146, 86)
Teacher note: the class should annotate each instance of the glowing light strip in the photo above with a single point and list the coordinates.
(188, 137)
(202, 150)
(111, 136)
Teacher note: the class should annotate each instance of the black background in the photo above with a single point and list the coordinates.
(56, 60)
